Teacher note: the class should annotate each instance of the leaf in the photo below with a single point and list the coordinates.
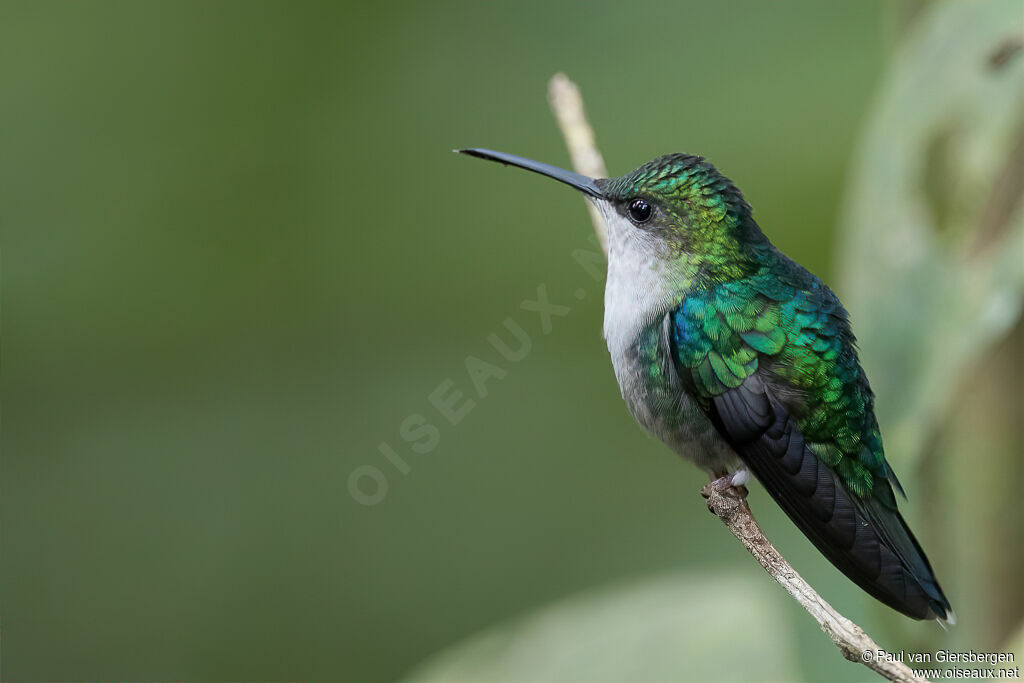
(932, 242)
(676, 627)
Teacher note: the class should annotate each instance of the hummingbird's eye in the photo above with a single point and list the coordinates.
(639, 211)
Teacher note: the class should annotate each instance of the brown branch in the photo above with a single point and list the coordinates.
(726, 504)
(851, 640)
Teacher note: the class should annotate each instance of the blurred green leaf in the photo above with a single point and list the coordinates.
(674, 627)
(932, 246)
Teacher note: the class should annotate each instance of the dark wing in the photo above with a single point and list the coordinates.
(801, 420)
(864, 538)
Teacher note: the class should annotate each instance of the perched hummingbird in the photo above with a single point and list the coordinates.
(739, 359)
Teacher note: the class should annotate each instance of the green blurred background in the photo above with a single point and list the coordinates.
(238, 254)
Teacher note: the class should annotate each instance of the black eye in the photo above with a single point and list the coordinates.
(639, 211)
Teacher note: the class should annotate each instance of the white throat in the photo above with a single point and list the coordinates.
(638, 290)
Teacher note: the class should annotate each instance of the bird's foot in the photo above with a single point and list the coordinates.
(729, 484)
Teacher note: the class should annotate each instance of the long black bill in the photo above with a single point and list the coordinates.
(580, 182)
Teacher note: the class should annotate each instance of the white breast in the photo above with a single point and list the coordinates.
(641, 288)
(637, 291)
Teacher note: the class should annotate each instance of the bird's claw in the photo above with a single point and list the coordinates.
(729, 484)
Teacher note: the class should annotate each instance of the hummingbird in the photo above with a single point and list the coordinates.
(742, 361)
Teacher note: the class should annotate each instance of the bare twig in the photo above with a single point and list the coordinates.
(853, 643)
(567, 104)
(851, 640)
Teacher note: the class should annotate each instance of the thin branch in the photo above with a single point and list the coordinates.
(851, 640)
(567, 104)
(726, 504)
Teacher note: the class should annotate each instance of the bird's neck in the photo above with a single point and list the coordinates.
(648, 277)
(644, 283)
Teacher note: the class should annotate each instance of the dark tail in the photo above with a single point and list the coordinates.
(865, 538)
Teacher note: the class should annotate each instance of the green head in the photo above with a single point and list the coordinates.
(675, 209)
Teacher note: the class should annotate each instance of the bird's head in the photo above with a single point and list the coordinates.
(676, 207)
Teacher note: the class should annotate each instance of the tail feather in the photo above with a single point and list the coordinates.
(864, 537)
